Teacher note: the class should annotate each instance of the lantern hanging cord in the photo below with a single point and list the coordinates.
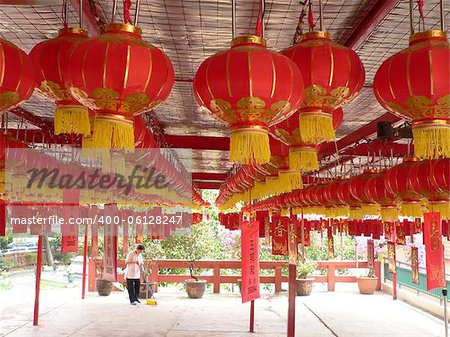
(126, 11)
(422, 17)
(259, 29)
(310, 17)
(299, 28)
(64, 13)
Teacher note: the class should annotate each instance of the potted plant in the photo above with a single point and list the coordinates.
(103, 287)
(304, 283)
(367, 284)
(190, 247)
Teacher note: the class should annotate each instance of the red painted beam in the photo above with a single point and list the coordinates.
(198, 142)
(367, 130)
(378, 10)
(39, 136)
(45, 124)
(209, 176)
(385, 149)
(207, 185)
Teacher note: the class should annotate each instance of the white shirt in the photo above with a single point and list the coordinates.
(133, 270)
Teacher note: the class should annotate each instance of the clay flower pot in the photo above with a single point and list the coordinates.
(195, 289)
(367, 285)
(104, 287)
(304, 286)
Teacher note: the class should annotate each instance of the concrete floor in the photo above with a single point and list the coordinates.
(343, 313)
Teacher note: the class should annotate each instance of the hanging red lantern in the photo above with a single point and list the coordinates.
(396, 182)
(127, 76)
(375, 190)
(249, 87)
(335, 207)
(440, 175)
(333, 75)
(357, 189)
(415, 84)
(420, 181)
(48, 58)
(16, 75)
(347, 198)
(302, 156)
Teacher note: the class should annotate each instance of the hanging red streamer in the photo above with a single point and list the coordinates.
(258, 29)
(310, 16)
(126, 11)
(420, 5)
(64, 14)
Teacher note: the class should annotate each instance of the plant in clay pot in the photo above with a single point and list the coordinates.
(304, 282)
(103, 287)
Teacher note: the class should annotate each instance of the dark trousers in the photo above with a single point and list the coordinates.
(133, 286)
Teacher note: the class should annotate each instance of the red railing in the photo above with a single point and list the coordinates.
(216, 278)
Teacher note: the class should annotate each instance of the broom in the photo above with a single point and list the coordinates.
(151, 300)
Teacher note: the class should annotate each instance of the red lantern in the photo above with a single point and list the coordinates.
(16, 75)
(332, 74)
(48, 58)
(336, 208)
(396, 182)
(375, 190)
(440, 175)
(126, 76)
(249, 87)
(344, 195)
(419, 180)
(302, 156)
(415, 84)
(357, 186)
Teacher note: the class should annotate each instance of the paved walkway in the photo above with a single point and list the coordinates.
(342, 313)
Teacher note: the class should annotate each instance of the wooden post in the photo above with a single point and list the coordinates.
(38, 281)
(155, 274)
(252, 316)
(303, 238)
(291, 303)
(216, 278)
(394, 276)
(277, 278)
(85, 257)
(331, 277)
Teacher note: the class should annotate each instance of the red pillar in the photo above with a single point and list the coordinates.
(38, 281)
(291, 304)
(85, 256)
(394, 276)
(252, 316)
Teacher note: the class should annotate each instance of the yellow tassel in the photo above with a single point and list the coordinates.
(303, 159)
(356, 213)
(389, 213)
(431, 141)
(285, 212)
(290, 180)
(249, 146)
(296, 210)
(316, 127)
(337, 212)
(72, 119)
(442, 207)
(412, 209)
(370, 209)
(113, 132)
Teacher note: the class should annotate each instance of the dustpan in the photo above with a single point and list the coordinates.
(151, 300)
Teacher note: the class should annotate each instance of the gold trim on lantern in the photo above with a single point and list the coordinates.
(256, 128)
(254, 39)
(114, 118)
(123, 27)
(427, 35)
(315, 35)
(431, 122)
(78, 31)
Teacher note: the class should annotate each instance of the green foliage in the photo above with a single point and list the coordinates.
(5, 284)
(30, 259)
(5, 241)
(63, 258)
(305, 269)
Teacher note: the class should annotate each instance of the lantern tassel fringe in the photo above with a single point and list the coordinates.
(72, 119)
(412, 209)
(113, 134)
(316, 128)
(432, 142)
(442, 207)
(303, 160)
(389, 213)
(290, 180)
(249, 147)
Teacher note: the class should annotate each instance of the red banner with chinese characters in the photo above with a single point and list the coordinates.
(292, 244)
(434, 251)
(370, 254)
(110, 253)
(267, 231)
(280, 235)
(391, 257)
(330, 241)
(2, 217)
(401, 233)
(415, 265)
(250, 260)
(70, 212)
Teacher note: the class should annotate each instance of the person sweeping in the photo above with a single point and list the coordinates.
(134, 263)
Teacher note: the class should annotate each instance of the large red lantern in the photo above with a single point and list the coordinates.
(357, 189)
(48, 58)
(375, 190)
(415, 84)
(16, 75)
(396, 182)
(249, 87)
(332, 75)
(335, 207)
(118, 75)
(302, 156)
(440, 175)
(344, 195)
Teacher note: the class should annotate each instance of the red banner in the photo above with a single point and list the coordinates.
(292, 244)
(250, 260)
(392, 258)
(432, 238)
(70, 212)
(400, 232)
(267, 231)
(280, 235)
(415, 265)
(110, 253)
(370, 254)
(2, 217)
(330, 243)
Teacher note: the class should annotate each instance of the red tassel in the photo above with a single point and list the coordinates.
(420, 3)
(258, 29)
(126, 11)
(310, 17)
